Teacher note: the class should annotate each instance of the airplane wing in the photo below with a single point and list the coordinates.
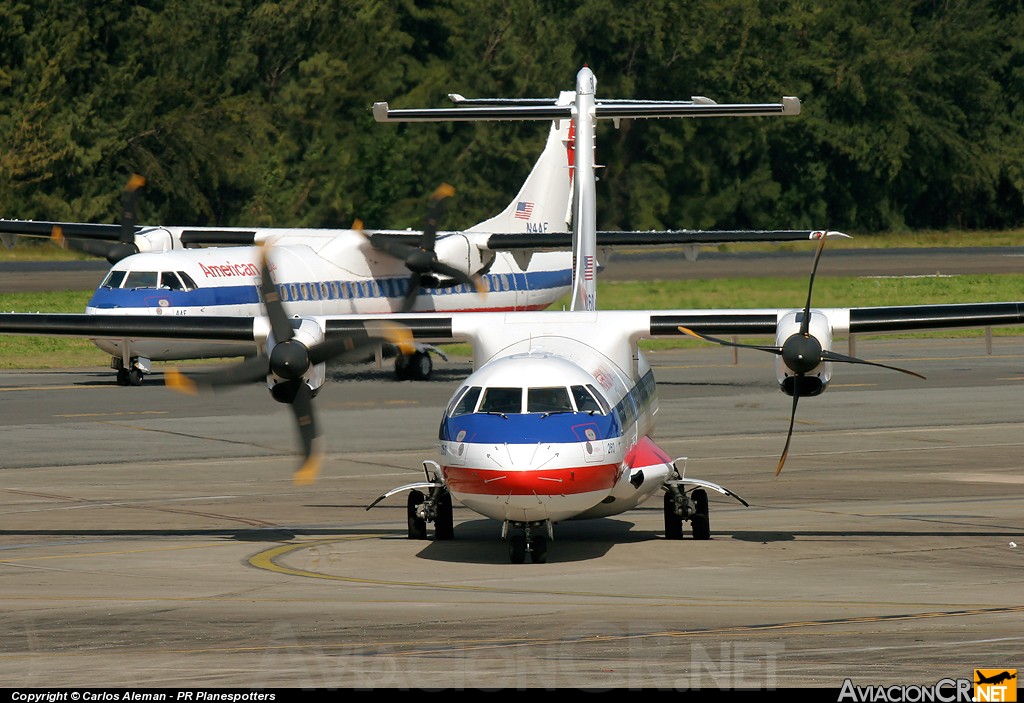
(451, 327)
(99, 232)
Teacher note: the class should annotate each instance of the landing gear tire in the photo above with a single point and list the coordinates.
(700, 522)
(517, 549)
(539, 550)
(413, 367)
(122, 377)
(673, 523)
(417, 525)
(134, 377)
(444, 525)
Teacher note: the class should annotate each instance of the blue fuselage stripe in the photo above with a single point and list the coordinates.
(530, 428)
(210, 296)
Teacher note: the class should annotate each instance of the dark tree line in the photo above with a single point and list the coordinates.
(258, 113)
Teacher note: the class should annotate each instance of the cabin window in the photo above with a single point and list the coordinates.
(548, 400)
(113, 279)
(325, 292)
(585, 401)
(465, 401)
(282, 291)
(141, 279)
(335, 291)
(304, 291)
(502, 400)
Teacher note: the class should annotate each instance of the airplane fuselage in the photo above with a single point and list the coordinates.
(551, 430)
(309, 281)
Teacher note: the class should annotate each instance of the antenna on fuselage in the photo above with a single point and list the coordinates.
(584, 111)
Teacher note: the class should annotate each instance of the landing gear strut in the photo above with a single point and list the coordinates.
(526, 542)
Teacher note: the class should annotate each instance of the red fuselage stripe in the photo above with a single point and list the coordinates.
(568, 481)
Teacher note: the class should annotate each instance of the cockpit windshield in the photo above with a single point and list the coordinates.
(548, 400)
(164, 280)
(502, 400)
(509, 400)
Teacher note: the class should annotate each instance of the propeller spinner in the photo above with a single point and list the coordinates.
(286, 366)
(421, 258)
(801, 353)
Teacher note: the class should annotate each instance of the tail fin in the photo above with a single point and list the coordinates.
(543, 204)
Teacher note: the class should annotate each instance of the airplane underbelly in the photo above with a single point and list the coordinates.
(173, 350)
(520, 508)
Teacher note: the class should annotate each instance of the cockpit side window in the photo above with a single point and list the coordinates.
(113, 279)
(605, 408)
(502, 400)
(585, 400)
(548, 400)
(170, 281)
(187, 281)
(464, 403)
(141, 279)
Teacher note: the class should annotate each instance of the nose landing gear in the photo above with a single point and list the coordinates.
(526, 542)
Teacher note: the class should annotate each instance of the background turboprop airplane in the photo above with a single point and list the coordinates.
(520, 259)
(556, 421)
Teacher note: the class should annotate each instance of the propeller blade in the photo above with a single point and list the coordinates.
(727, 343)
(399, 250)
(409, 301)
(789, 435)
(806, 322)
(128, 200)
(312, 441)
(247, 371)
(280, 325)
(437, 198)
(835, 356)
(353, 347)
(459, 276)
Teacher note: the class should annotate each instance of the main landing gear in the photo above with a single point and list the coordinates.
(681, 506)
(526, 542)
(435, 507)
(413, 367)
(131, 374)
(429, 501)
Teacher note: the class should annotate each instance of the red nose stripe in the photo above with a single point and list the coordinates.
(646, 453)
(581, 479)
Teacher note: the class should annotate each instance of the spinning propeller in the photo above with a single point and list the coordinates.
(288, 362)
(421, 259)
(801, 352)
(125, 245)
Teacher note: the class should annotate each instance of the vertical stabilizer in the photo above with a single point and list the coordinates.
(542, 204)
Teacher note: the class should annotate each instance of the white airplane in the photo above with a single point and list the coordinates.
(521, 259)
(557, 420)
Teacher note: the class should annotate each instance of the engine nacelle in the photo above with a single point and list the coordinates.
(457, 251)
(289, 362)
(154, 239)
(815, 380)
